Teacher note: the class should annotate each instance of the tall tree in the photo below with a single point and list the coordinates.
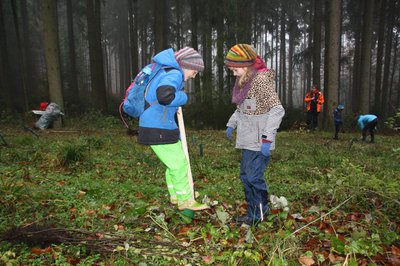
(292, 28)
(326, 46)
(388, 51)
(317, 42)
(5, 87)
(52, 54)
(160, 25)
(220, 53)
(379, 55)
(98, 89)
(282, 61)
(194, 8)
(331, 93)
(355, 19)
(73, 74)
(133, 34)
(366, 56)
(21, 58)
(244, 20)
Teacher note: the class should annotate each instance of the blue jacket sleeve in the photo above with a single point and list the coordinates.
(169, 91)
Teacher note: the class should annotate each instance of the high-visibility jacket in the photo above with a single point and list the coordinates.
(314, 99)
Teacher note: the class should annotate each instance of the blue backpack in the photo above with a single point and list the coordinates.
(135, 95)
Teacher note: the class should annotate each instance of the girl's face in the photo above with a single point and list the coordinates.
(238, 71)
(189, 74)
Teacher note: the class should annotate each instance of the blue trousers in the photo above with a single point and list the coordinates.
(252, 168)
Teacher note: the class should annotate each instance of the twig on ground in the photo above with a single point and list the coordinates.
(319, 218)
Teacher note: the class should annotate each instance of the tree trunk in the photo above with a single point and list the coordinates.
(178, 24)
(52, 53)
(5, 87)
(244, 21)
(331, 92)
(282, 61)
(317, 42)
(388, 51)
(366, 57)
(292, 32)
(222, 97)
(379, 56)
(21, 61)
(159, 25)
(29, 69)
(73, 81)
(326, 53)
(133, 34)
(194, 27)
(392, 101)
(98, 90)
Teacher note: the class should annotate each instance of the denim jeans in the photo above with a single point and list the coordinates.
(252, 168)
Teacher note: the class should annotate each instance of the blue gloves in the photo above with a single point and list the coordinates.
(229, 131)
(265, 146)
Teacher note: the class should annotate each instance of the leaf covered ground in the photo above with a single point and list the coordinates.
(93, 196)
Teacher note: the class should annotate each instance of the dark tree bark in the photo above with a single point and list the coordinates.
(98, 90)
(194, 8)
(160, 22)
(21, 61)
(388, 51)
(366, 56)
(392, 101)
(355, 19)
(133, 34)
(282, 63)
(292, 33)
(326, 45)
(178, 24)
(317, 42)
(5, 86)
(379, 56)
(207, 94)
(331, 92)
(220, 54)
(73, 77)
(52, 53)
(244, 21)
(29, 69)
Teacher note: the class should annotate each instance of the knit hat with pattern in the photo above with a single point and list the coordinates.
(189, 58)
(241, 55)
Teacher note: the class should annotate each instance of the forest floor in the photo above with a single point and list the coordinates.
(93, 196)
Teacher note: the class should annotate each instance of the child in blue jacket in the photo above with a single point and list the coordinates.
(338, 120)
(367, 122)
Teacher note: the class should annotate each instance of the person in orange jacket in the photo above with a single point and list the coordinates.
(314, 100)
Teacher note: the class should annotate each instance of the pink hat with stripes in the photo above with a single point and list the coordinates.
(189, 58)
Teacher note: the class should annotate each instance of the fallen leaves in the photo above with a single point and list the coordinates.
(306, 261)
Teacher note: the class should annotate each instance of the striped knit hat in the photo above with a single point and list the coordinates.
(241, 55)
(189, 58)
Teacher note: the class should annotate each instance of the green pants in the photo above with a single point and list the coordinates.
(174, 159)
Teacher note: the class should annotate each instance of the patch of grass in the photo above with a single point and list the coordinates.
(344, 195)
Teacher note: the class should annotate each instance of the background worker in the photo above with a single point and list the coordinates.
(338, 120)
(314, 100)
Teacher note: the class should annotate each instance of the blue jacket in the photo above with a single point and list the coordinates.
(337, 117)
(365, 119)
(157, 124)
